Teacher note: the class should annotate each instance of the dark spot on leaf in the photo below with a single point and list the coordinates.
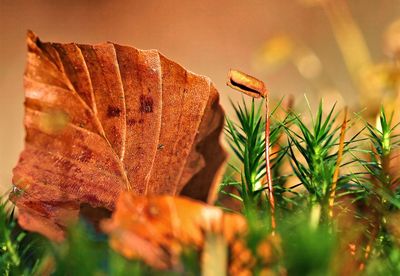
(113, 111)
(65, 165)
(146, 104)
(85, 155)
(131, 122)
(141, 121)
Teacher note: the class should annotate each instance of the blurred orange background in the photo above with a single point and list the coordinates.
(296, 47)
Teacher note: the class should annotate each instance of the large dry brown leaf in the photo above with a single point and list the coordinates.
(105, 118)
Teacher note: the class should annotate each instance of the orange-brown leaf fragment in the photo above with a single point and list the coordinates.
(101, 119)
(157, 228)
